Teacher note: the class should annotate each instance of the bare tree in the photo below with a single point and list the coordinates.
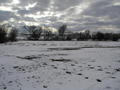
(13, 34)
(34, 32)
(61, 30)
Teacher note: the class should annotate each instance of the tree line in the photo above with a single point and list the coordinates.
(98, 36)
(35, 33)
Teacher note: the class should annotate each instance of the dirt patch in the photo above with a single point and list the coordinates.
(29, 57)
(61, 60)
(98, 80)
(67, 48)
(59, 54)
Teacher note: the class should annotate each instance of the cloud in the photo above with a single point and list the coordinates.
(30, 6)
(77, 14)
(3, 8)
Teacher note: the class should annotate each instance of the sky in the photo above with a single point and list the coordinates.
(76, 14)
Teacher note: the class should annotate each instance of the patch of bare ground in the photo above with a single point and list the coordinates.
(61, 60)
(67, 48)
(29, 57)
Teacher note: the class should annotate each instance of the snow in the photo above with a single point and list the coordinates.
(60, 65)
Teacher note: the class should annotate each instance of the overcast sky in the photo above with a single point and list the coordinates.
(77, 14)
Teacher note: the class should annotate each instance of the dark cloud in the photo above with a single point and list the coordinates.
(5, 15)
(5, 1)
(23, 12)
(65, 4)
(103, 8)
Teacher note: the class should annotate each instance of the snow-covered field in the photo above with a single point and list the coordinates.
(57, 65)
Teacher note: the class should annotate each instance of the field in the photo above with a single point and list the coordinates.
(60, 65)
